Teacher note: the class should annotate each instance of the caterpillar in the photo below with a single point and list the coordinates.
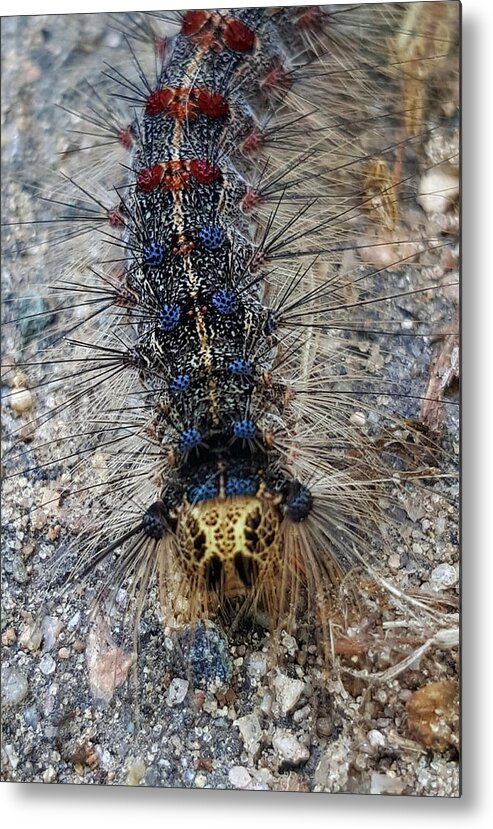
(229, 405)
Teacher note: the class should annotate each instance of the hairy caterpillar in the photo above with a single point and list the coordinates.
(247, 280)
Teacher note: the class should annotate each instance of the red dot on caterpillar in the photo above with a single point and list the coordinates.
(253, 142)
(275, 79)
(238, 36)
(212, 104)
(250, 201)
(115, 217)
(194, 21)
(258, 261)
(183, 249)
(125, 137)
(204, 171)
(158, 100)
(149, 177)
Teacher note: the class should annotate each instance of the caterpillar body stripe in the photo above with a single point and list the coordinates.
(233, 297)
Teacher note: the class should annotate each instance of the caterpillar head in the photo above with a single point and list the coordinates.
(227, 543)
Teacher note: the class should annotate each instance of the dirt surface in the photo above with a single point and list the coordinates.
(74, 708)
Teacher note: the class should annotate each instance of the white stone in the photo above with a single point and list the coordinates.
(358, 419)
(47, 664)
(257, 664)
(49, 776)
(21, 401)
(51, 628)
(289, 748)
(177, 691)
(200, 781)
(443, 576)
(239, 777)
(14, 686)
(288, 692)
(251, 732)
(384, 784)
(437, 190)
(376, 738)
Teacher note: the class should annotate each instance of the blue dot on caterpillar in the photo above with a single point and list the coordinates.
(244, 428)
(225, 301)
(153, 254)
(211, 236)
(179, 383)
(241, 366)
(190, 438)
(202, 492)
(169, 316)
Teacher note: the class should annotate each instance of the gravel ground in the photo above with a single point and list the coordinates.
(74, 708)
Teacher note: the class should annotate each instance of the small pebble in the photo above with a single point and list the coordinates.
(443, 576)
(9, 637)
(205, 650)
(239, 777)
(19, 570)
(376, 738)
(433, 714)
(292, 782)
(251, 732)
(14, 686)
(21, 401)
(135, 771)
(302, 713)
(105, 758)
(437, 190)
(49, 700)
(358, 419)
(12, 755)
(289, 748)
(20, 380)
(74, 620)
(385, 784)
(49, 776)
(31, 716)
(325, 727)
(262, 779)
(289, 643)
(200, 781)
(108, 665)
(288, 692)
(257, 664)
(266, 703)
(394, 561)
(31, 637)
(177, 691)
(47, 664)
(51, 628)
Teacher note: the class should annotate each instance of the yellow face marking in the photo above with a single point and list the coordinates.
(237, 539)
